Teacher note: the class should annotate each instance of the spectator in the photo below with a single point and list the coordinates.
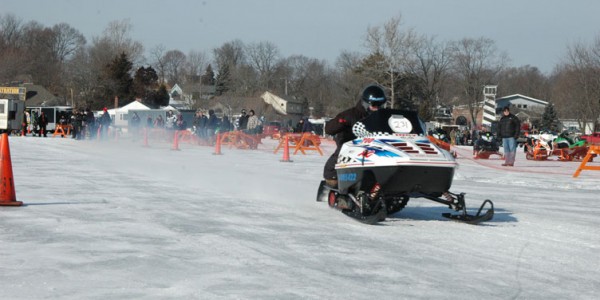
(243, 121)
(104, 121)
(159, 122)
(200, 121)
(253, 123)
(180, 124)
(134, 124)
(212, 125)
(225, 125)
(509, 128)
(307, 126)
(42, 123)
(149, 122)
(299, 126)
(90, 122)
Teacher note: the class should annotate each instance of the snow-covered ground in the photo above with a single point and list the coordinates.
(115, 220)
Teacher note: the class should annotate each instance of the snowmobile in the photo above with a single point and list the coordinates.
(379, 171)
(539, 147)
(486, 146)
(568, 148)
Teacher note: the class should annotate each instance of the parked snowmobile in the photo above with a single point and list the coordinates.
(568, 148)
(392, 162)
(539, 147)
(485, 146)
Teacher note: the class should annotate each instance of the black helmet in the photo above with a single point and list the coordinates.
(373, 95)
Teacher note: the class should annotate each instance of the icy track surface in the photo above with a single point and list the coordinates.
(115, 220)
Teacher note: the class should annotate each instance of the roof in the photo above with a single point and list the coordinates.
(37, 95)
(517, 96)
(133, 105)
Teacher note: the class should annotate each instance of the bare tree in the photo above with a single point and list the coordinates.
(197, 61)
(228, 59)
(158, 55)
(263, 56)
(11, 29)
(114, 41)
(67, 41)
(393, 45)
(174, 66)
(580, 79)
(524, 80)
(430, 64)
(476, 62)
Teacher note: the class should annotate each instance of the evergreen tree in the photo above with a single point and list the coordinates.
(549, 119)
(160, 97)
(145, 82)
(119, 78)
(209, 76)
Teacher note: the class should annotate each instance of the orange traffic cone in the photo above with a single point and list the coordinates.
(218, 145)
(7, 184)
(175, 141)
(286, 150)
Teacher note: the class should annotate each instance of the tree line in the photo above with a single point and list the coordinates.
(418, 71)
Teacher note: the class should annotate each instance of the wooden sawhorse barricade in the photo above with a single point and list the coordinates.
(593, 151)
(301, 142)
(240, 140)
(62, 130)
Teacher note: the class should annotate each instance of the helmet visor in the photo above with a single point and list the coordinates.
(376, 103)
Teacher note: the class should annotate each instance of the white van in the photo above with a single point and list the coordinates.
(11, 115)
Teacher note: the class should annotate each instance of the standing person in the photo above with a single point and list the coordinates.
(104, 123)
(253, 123)
(372, 97)
(211, 125)
(159, 122)
(26, 122)
(508, 129)
(225, 125)
(90, 121)
(243, 121)
(76, 124)
(42, 123)
(149, 122)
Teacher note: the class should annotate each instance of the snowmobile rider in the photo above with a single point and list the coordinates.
(372, 97)
(509, 128)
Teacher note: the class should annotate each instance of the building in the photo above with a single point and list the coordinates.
(489, 112)
(190, 95)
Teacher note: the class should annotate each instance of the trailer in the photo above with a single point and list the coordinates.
(55, 115)
(12, 106)
(11, 115)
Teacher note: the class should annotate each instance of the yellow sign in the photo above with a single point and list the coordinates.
(9, 90)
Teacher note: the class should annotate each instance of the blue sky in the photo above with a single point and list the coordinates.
(532, 32)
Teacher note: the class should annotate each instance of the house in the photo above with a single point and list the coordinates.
(190, 95)
(522, 103)
(525, 108)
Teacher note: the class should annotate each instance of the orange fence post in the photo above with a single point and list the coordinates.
(592, 152)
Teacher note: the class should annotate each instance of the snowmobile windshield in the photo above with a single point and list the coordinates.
(394, 121)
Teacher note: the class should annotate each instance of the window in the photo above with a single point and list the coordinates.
(524, 105)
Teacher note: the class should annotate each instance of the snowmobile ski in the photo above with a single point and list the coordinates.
(473, 219)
